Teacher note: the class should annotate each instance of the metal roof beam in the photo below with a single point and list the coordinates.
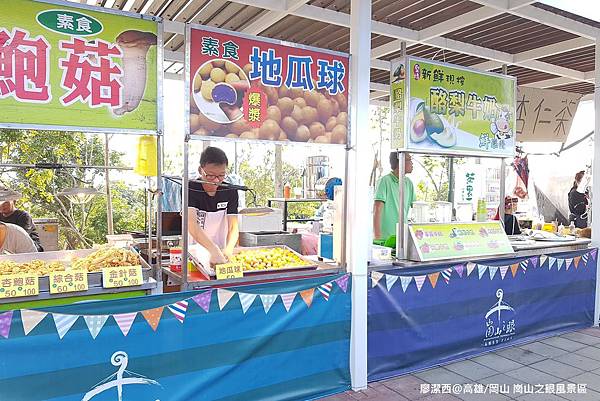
(377, 95)
(271, 17)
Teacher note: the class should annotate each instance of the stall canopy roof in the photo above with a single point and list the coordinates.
(542, 46)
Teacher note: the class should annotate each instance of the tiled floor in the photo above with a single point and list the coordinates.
(570, 360)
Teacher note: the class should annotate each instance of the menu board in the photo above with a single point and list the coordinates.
(459, 240)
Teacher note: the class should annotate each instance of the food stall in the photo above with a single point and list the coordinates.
(459, 288)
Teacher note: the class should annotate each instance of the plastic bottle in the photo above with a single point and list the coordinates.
(287, 190)
(481, 210)
(572, 228)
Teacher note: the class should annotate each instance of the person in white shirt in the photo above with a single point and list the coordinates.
(14, 239)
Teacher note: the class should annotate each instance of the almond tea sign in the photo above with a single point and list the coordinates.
(75, 68)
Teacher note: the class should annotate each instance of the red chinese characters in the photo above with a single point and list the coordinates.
(89, 73)
(24, 67)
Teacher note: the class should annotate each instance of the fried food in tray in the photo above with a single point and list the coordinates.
(39, 267)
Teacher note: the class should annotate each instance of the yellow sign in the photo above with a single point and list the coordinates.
(122, 276)
(19, 285)
(68, 281)
(229, 270)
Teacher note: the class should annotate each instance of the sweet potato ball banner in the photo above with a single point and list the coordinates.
(64, 67)
(243, 87)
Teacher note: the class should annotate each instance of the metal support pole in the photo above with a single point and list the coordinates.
(278, 173)
(502, 189)
(451, 181)
(159, 195)
(596, 177)
(401, 231)
(358, 246)
(150, 199)
(184, 213)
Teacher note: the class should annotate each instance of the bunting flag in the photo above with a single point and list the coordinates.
(568, 263)
(153, 316)
(5, 322)
(224, 296)
(390, 280)
(543, 259)
(459, 269)
(493, 270)
(31, 318)
(405, 281)
(95, 323)
(513, 268)
(342, 282)
(63, 323)
(375, 277)
(551, 262)
(246, 300)
(481, 269)
(124, 321)
(523, 265)
(533, 262)
(325, 289)
(288, 300)
(594, 253)
(433, 278)
(470, 268)
(268, 300)
(179, 309)
(576, 260)
(307, 295)
(419, 280)
(446, 274)
(585, 257)
(559, 263)
(203, 300)
(503, 270)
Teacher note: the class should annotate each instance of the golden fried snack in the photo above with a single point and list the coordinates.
(267, 259)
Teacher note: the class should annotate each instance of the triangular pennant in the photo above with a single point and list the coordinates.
(513, 268)
(246, 300)
(153, 316)
(524, 264)
(543, 259)
(342, 282)
(568, 263)
(576, 260)
(559, 263)
(64, 323)
(268, 300)
(5, 323)
(585, 257)
(419, 280)
(533, 262)
(503, 270)
(390, 280)
(124, 321)
(594, 253)
(551, 262)
(288, 300)
(31, 318)
(325, 289)
(446, 274)
(481, 269)
(307, 296)
(493, 270)
(224, 296)
(95, 323)
(459, 269)
(470, 267)
(203, 300)
(179, 309)
(433, 278)
(405, 281)
(375, 277)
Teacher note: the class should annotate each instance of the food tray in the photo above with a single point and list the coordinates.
(210, 271)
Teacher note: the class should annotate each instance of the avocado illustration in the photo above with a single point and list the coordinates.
(433, 122)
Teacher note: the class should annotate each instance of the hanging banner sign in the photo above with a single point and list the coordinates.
(397, 101)
(545, 115)
(245, 87)
(69, 68)
(19, 285)
(456, 110)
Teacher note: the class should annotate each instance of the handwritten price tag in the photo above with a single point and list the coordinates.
(229, 270)
(19, 285)
(68, 281)
(123, 276)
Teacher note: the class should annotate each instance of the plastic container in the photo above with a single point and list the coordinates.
(464, 211)
(420, 212)
(146, 162)
(175, 259)
(442, 211)
(287, 191)
(481, 210)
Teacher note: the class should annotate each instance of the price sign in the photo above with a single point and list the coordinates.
(229, 270)
(68, 281)
(19, 285)
(122, 276)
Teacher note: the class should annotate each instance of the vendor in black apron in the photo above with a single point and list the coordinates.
(578, 203)
(213, 208)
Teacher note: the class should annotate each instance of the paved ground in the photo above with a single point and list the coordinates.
(565, 367)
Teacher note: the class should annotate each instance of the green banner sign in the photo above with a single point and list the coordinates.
(459, 240)
(452, 109)
(63, 67)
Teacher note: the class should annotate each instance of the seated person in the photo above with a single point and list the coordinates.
(10, 214)
(14, 239)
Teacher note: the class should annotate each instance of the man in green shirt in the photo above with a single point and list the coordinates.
(385, 215)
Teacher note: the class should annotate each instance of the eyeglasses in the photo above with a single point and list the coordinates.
(211, 177)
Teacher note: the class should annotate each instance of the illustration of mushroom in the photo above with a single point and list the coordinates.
(134, 45)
